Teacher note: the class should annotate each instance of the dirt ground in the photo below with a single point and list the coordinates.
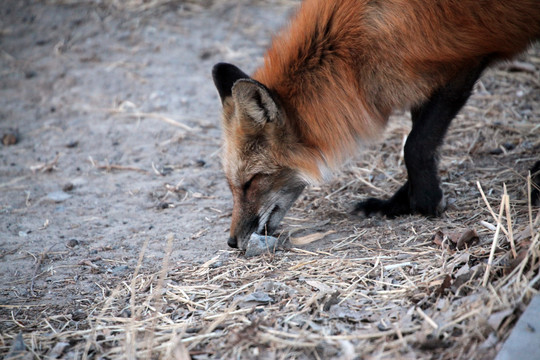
(118, 145)
(119, 138)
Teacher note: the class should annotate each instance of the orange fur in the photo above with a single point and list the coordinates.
(342, 67)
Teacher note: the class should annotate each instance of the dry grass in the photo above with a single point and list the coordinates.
(377, 289)
(417, 301)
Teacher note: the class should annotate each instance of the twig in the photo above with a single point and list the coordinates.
(45, 167)
(164, 118)
(489, 207)
(509, 222)
(429, 320)
(495, 242)
(110, 167)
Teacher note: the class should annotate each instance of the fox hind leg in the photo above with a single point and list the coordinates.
(421, 193)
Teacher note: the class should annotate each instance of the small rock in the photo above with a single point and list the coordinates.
(72, 144)
(72, 243)
(258, 297)
(10, 138)
(497, 151)
(165, 205)
(78, 315)
(119, 270)
(68, 187)
(165, 170)
(509, 146)
(207, 54)
(78, 182)
(382, 326)
(42, 42)
(58, 196)
(260, 244)
(30, 74)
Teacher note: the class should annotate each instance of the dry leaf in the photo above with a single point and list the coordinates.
(438, 238)
(458, 239)
(521, 255)
(466, 239)
(445, 285)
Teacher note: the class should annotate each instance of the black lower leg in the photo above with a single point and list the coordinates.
(421, 193)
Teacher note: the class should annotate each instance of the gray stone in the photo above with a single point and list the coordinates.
(259, 297)
(261, 244)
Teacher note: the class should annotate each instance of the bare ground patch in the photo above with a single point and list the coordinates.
(114, 210)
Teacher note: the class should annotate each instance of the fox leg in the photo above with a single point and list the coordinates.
(421, 193)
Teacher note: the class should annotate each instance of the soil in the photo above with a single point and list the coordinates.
(98, 168)
(112, 142)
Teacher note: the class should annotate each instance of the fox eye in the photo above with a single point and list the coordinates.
(248, 184)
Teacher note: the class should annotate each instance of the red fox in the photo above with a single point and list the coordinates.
(332, 78)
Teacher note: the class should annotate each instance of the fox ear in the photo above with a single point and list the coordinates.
(255, 100)
(225, 75)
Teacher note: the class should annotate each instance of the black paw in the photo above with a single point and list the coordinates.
(387, 208)
(430, 202)
(369, 207)
(395, 206)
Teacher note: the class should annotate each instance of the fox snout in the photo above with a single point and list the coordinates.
(262, 213)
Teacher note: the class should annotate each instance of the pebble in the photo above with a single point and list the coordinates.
(68, 187)
(78, 315)
(258, 296)
(120, 270)
(72, 144)
(10, 138)
(58, 196)
(72, 243)
(260, 244)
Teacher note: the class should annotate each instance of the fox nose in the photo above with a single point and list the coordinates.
(232, 242)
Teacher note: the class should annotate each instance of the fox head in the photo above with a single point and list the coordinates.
(259, 146)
